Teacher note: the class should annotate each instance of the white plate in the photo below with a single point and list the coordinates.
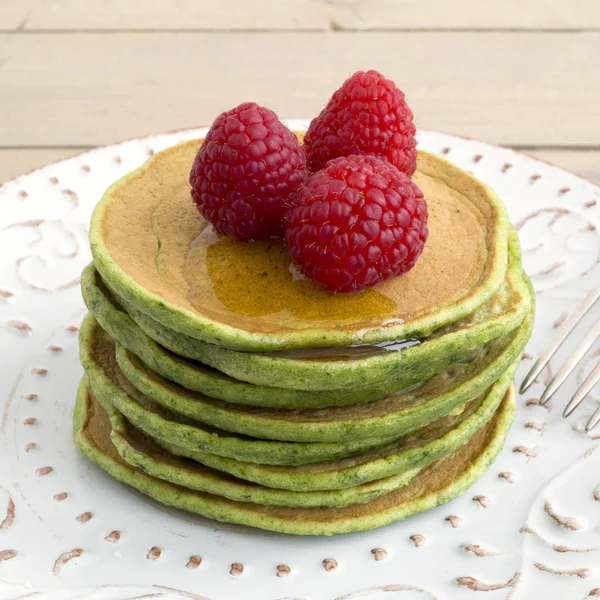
(530, 526)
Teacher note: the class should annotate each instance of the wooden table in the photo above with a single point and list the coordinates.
(76, 74)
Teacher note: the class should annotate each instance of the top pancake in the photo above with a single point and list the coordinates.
(152, 246)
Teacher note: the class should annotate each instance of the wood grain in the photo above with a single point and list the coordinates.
(511, 88)
(13, 14)
(586, 163)
(467, 14)
(298, 14)
(14, 162)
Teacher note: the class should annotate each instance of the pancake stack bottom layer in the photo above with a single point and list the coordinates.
(218, 382)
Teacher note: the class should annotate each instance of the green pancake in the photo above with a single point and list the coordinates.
(359, 366)
(391, 417)
(435, 485)
(109, 385)
(142, 452)
(417, 450)
(380, 375)
(201, 378)
(153, 248)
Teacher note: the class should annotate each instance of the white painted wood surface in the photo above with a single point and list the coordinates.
(205, 15)
(76, 74)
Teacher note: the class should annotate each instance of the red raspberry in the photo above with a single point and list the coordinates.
(245, 171)
(356, 223)
(367, 115)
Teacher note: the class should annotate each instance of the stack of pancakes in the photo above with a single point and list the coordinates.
(220, 381)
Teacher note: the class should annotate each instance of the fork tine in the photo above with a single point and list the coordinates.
(594, 420)
(559, 337)
(571, 363)
(586, 387)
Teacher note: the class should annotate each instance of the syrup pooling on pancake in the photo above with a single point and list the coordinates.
(259, 281)
(157, 237)
(508, 308)
(347, 353)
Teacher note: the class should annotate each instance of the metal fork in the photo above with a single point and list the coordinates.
(567, 368)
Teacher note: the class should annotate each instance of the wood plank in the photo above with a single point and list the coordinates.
(206, 15)
(13, 13)
(15, 162)
(112, 86)
(299, 14)
(584, 163)
(467, 14)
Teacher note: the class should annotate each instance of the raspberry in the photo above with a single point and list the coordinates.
(356, 223)
(367, 115)
(244, 172)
